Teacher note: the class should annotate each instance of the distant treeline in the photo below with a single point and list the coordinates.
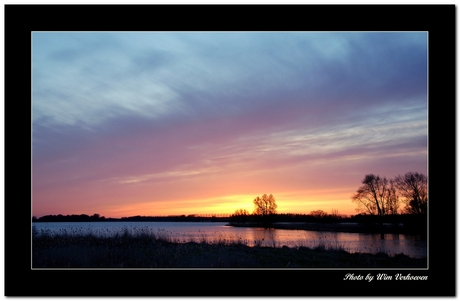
(71, 218)
(419, 220)
(138, 218)
(359, 218)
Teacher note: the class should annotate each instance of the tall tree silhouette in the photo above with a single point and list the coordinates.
(413, 187)
(376, 196)
(265, 207)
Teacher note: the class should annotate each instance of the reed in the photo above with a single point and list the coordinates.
(147, 249)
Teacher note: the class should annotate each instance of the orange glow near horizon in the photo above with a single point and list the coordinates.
(287, 203)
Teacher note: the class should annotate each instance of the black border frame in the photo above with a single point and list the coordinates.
(21, 20)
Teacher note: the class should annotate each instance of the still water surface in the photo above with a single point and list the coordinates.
(214, 232)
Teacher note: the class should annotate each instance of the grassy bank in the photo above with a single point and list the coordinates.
(146, 250)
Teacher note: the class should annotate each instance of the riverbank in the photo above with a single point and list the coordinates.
(151, 251)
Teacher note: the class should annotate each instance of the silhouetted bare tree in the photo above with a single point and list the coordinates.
(413, 187)
(335, 213)
(266, 208)
(318, 213)
(265, 205)
(392, 199)
(376, 196)
(240, 216)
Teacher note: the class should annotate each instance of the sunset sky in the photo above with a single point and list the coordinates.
(166, 123)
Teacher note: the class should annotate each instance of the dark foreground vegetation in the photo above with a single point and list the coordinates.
(146, 250)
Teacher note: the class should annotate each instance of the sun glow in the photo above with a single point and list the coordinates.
(300, 203)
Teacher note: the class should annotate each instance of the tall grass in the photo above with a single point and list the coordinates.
(146, 249)
(143, 248)
(324, 241)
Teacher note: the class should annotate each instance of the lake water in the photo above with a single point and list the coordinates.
(214, 232)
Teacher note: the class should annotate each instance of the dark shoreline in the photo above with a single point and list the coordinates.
(340, 227)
